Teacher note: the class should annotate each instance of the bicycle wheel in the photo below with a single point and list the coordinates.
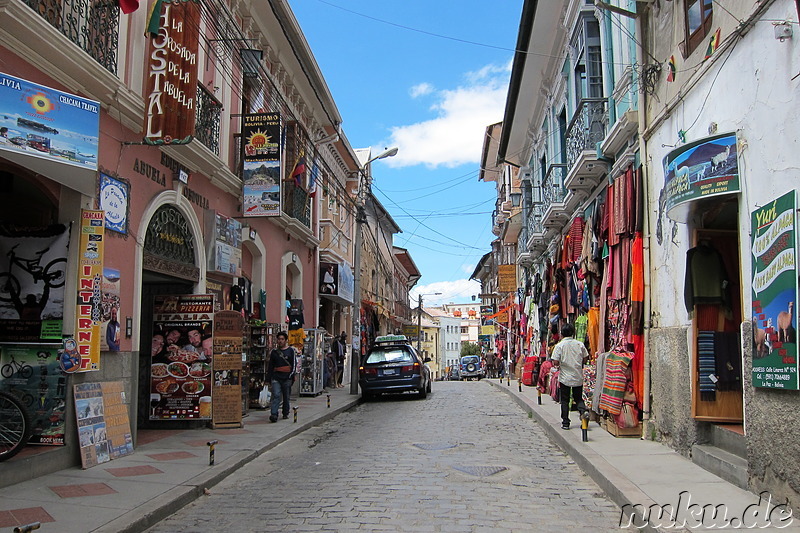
(15, 426)
(25, 371)
(8, 285)
(7, 370)
(55, 273)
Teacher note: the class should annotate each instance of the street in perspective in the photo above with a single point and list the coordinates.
(467, 458)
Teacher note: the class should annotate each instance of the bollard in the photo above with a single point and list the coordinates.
(295, 414)
(519, 382)
(585, 426)
(508, 380)
(539, 399)
(28, 527)
(329, 401)
(211, 445)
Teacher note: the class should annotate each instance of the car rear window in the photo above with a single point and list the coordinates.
(389, 355)
(468, 360)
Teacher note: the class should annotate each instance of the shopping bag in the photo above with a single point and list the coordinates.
(264, 397)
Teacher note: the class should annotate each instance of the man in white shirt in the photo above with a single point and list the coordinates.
(569, 356)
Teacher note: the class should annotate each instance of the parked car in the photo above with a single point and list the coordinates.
(393, 366)
(454, 375)
(471, 367)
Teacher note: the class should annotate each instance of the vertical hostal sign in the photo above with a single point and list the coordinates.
(90, 289)
(774, 246)
(171, 92)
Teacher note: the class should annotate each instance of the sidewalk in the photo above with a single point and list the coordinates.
(168, 469)
(644, 473)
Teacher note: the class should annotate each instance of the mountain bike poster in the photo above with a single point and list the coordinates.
(32, 374)
(104, 429)
(181, 357)
(33, 268)
(89, 308)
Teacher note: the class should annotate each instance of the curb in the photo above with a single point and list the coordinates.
(617, 487)
(156, 509)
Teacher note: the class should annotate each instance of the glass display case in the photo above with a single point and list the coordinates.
(260, 338)
(313, 359)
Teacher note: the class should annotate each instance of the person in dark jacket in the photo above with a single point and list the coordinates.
(280, 371)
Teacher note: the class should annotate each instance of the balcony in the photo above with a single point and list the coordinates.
(206, 127)
(536, 230)
(553, 195)
(296, 203)
(93, 26)
(586, 130)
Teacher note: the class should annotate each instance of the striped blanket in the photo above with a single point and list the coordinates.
(707, 366)
(615, 382)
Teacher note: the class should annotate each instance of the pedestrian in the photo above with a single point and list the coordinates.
(569, 356)
(280, 374)
(341, 355)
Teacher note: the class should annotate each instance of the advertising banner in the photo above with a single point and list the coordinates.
(224, 244)
(32, 278)
(774, 249)
(181, 357)
(110, 328)
(700, 169)
(261, 157)
(226, 405)
(32, 374)
(45, 123)
(171, 91)
(89, 311)
(104, 429)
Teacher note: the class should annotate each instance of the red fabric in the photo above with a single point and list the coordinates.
(613, 238)
(576, 238)
(128, 6)
(637, 368)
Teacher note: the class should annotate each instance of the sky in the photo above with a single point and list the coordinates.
(428, 77)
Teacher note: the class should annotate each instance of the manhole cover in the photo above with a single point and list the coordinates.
(480, 471)
(444, 446)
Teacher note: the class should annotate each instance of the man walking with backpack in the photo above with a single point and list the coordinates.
(280, 373)
(569, 356)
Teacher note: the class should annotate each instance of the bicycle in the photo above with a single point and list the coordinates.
(15, 426)
(23, 369)
(53, 274)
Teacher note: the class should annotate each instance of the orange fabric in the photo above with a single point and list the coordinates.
(593, 330)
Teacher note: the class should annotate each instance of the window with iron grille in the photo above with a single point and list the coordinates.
(206, 127)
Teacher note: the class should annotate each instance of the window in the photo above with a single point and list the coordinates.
(698, 22)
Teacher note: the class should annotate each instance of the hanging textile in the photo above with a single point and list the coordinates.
(707, 366)
(576, 238)
(617, 373)
(593, 330)
(637, 285)
(611, 198)
(706, 280)
(600, 376)
(581, 328)
(728, 360)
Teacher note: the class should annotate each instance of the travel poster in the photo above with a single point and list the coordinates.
(774, 283)
(42, 122)
(182, 355)
(261, 135)
(33, 375)
(104, 430)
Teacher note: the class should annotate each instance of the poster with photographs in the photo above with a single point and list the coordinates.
(181, 357)
(110, 327)
(33, 375)
(261, 161)
(227, 397)
(104, 430)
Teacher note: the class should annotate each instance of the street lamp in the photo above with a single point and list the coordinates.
(419, 318)
(364, 191)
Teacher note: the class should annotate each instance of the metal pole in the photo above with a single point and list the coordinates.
(419, 324)
(355, 358)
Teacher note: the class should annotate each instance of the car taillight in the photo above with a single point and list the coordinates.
(368, 371)
(411, 368)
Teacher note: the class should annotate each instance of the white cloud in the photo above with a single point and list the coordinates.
(420, 90)
(455, 135)
(458, 291)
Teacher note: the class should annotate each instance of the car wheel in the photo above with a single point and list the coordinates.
(423, 393)
(430, 386)
(367, 396)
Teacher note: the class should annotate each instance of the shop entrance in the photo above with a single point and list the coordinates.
(153, 284)
(714, 287)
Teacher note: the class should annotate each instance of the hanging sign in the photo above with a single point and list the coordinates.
(507, 278)
(700, 169)
(227, 391)
(89, 308)
(261, 157)
(774, 283)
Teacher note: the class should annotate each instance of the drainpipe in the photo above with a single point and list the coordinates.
(642, 102)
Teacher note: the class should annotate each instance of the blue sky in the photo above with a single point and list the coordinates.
(428, 77)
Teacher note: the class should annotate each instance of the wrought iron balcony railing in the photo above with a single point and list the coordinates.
(553, 189)
(534, 222)
(296, 203)
(587, 127)
(93, 26)
(206, 127)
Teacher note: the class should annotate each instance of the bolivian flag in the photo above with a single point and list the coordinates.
(153, 19)
(713, 44)
(671, 69)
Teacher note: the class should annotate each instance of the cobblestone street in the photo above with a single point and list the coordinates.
(464, 459)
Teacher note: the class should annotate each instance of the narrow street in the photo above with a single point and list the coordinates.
(464, 459)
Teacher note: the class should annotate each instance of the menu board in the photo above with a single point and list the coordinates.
(181, 357)
(227, 395)
(104, 429)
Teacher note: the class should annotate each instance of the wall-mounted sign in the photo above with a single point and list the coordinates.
(227, 391)
(774, 283)
(261, 147)
(700, 169)
(224, 243)
(507, 278)
(42, 122)
(114, 200)
(89, 308)
(171, 101)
